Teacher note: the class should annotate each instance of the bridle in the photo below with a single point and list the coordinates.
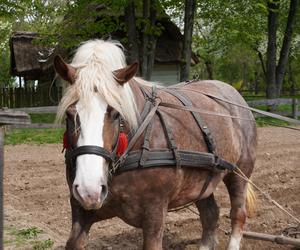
(113, 159)
(110, 157)
(92, 149)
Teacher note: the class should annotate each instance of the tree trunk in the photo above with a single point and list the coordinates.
(273, 7)
(152, 40)
(284, 52)
(291, 79)
(145, 37)
(255, 82)
(190, 7)
(131, 32)
(260, 56)
(209, 69)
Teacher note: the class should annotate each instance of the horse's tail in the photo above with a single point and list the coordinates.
(251, 200)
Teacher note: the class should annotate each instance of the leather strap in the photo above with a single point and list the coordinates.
(146, 144)
(135, 137)
(165, 158)
(170, 138)
(203, 127)
(210, 143)
(91, 149)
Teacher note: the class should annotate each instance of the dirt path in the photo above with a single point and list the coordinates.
(36, 194)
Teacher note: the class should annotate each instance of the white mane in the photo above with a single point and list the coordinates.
(95, 61)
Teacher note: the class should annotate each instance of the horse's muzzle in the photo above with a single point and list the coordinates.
(90, 200)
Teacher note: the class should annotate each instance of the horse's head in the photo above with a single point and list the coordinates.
(92, 122)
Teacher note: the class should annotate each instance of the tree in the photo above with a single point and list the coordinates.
(130, 19)
(286, 45)
(8, 10)
(189, 13)
(275, 73)
(89, 19)
(226, 32)
(149, 37)
(222, 26)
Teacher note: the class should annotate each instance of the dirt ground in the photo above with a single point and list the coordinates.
(36, 195)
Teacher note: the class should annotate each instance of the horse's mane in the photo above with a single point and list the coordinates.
(95, 61)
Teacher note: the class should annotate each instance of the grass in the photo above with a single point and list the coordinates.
(27, 233)
(42, 118)
(26, 238)
(269, 121)
(42, 244)
(281, 108)
(34, 136)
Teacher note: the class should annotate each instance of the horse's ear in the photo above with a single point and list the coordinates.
(66, 71)
(125, 74)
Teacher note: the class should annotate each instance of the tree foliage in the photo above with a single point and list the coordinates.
(230, 37)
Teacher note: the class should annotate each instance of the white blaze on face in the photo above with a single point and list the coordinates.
(90, 184)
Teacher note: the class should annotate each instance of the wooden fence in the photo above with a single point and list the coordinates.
(268, 102)
(42, 95)
(277, 102)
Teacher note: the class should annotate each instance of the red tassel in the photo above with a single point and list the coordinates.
(123, 144)
(66, 144)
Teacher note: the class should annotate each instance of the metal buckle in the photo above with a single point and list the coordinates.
(115, 165)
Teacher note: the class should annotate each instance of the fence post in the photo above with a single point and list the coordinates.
(295, 108)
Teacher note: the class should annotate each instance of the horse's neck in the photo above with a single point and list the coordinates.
(138, 94)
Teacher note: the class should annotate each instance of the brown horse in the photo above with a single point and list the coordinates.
(101, 90)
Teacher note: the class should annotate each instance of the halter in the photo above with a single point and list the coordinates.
(93, 149)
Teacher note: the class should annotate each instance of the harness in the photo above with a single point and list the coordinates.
(147, 158)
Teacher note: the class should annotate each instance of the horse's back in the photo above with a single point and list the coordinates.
(233, 136)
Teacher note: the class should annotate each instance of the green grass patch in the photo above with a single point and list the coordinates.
(28, 233)
(34, 136)
(254, 98)
(42, 244)
(269, 121)
(285, 107)
(42, 118)
(27, 238)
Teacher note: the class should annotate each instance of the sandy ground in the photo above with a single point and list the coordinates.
(36, 194)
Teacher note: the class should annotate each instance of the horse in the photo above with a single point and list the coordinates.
(104, 99)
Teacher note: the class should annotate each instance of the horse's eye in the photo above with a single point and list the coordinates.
(114, 115)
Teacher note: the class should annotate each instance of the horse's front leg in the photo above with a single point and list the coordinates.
(81, 224)
(153, 225)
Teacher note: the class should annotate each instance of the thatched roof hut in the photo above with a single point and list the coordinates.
(28, 59)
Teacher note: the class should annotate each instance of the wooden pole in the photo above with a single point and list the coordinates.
(1, 185)
(295, 108)
(279, 239)
(7, 117)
